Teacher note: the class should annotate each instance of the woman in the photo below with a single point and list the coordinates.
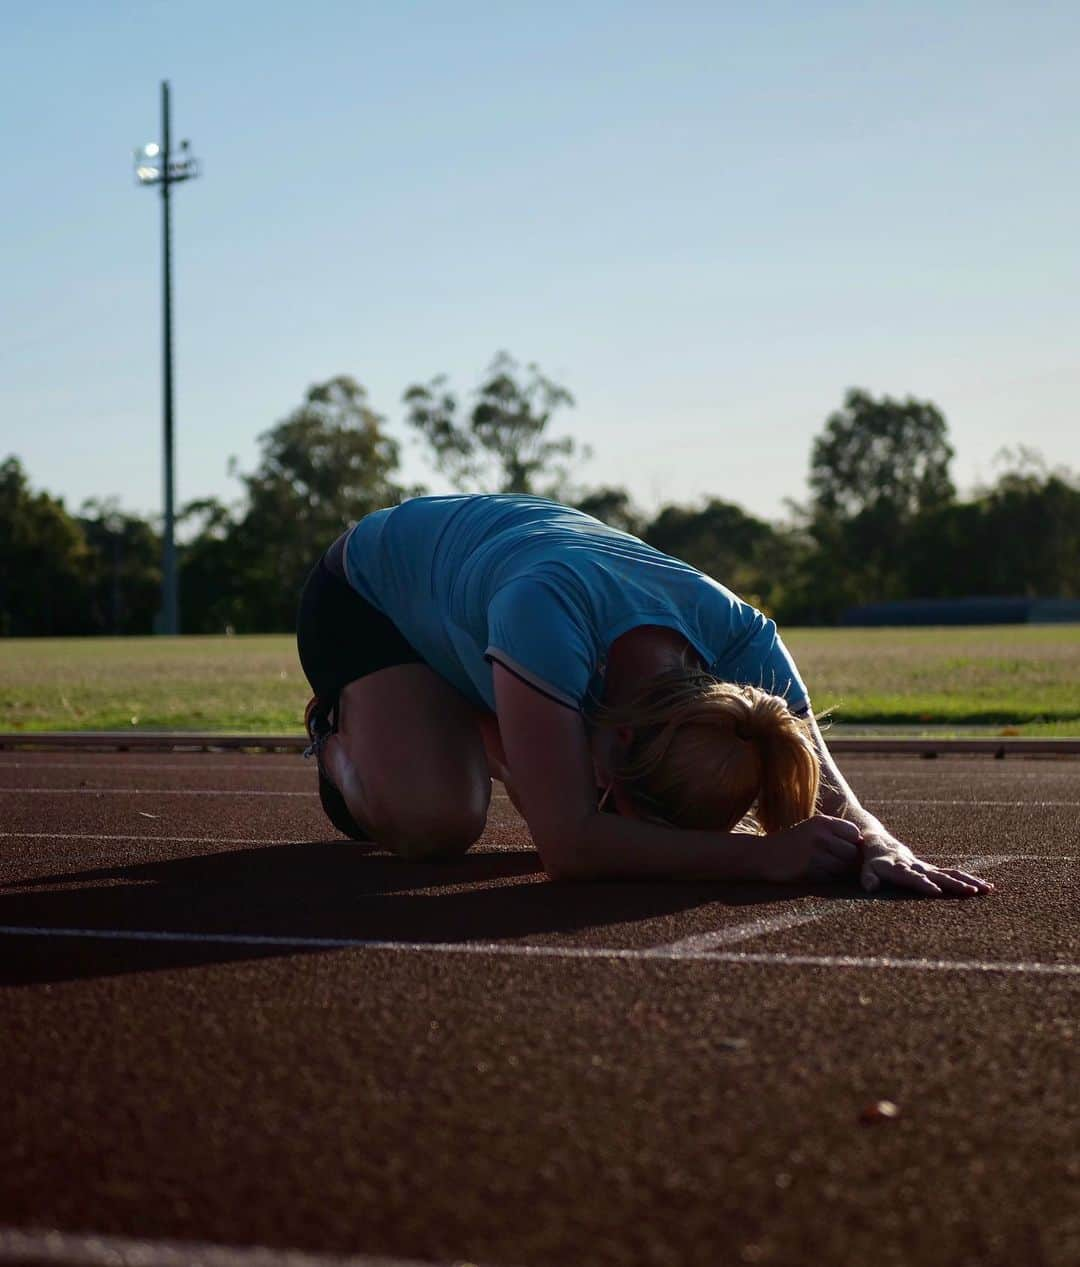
(636, 710)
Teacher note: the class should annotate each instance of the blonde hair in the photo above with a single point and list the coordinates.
(704, 753)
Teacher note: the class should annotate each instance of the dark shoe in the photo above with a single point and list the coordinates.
(319, 729)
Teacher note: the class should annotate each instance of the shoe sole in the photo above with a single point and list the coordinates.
(337, 811)
(333, 802)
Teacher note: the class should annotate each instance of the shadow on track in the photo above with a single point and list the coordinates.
(302, 890)
(322, 890)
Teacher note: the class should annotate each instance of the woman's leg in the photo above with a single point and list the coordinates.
(408, 757)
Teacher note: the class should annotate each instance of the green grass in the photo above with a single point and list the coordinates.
(1022, 677)
(244, 685)
(1012, 675)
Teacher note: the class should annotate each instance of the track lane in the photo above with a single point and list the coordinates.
(523, 1110)
(548, 1111)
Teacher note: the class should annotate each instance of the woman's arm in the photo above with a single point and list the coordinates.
(885, 857)
(547, 755)
(496, 757)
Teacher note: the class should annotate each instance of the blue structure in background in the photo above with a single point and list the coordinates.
(966, 611)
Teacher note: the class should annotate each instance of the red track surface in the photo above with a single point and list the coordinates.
(248, 1086)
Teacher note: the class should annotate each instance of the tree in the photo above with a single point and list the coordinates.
(125, 572)
(211, 567)
(740, 551)
(614, 507)
(1031, 529)
(885, 456)
(44, 561)
(328, 463)
(878, 467)
(501, 444)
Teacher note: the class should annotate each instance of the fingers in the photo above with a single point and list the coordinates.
(922, 878)
(846, 853)
(980, 886)
(896, 873)
(959, 883)
(838, 839)
(825, 864)
(841, 827)
(957, 888)
(901, 874)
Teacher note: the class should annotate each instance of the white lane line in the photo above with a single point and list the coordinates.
(996, 859)
(47, 1246)
(177, 840)
(983, 862)
(144, 791)
(525, 951)
(702, 943)
(979, 804)
(1033, 967)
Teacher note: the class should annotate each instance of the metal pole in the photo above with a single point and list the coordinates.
(170, 598)
(155, 165)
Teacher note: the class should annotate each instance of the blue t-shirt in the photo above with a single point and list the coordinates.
(545, 590)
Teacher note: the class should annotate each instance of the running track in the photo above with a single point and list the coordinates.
(231, 1038)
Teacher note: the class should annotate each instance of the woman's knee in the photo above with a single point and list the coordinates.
(421, 819)
(427, 834)
(411, 758)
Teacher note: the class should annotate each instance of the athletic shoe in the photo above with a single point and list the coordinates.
(319, 729)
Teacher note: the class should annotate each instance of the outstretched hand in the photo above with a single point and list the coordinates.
(885, 859)
(823, 847)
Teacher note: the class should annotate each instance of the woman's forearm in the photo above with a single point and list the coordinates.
(836, 797)
(841, 802)
(610, 846)
(493, 745)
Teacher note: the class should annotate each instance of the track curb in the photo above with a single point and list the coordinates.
(180, 741)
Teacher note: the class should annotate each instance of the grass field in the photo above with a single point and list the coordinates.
(1023, 677)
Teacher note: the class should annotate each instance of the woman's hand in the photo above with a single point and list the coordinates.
(886, 859)
(818, 848)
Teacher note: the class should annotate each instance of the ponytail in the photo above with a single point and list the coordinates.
(703, 754)
(790, 767)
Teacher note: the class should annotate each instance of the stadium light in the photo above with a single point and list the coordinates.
(157, 164)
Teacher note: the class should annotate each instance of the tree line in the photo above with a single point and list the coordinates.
(882, 519)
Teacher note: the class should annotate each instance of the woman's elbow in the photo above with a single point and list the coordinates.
(564, 857)
(564, 869)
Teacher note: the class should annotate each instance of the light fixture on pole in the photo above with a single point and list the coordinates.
(157, 164)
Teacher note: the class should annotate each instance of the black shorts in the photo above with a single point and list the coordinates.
(340, 635)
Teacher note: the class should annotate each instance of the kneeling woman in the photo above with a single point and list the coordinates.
(636, 710)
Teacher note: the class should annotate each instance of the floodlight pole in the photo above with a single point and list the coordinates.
(155, 165)
(170, 590)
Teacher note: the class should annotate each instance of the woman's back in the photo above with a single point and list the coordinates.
(545, 589)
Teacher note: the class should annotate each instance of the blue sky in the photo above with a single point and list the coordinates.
(707, 220)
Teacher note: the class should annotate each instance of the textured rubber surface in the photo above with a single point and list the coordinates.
(523, 1110)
